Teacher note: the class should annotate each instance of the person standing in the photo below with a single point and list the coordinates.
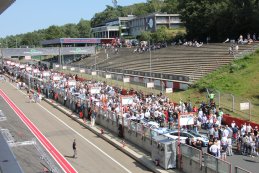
(74, 148)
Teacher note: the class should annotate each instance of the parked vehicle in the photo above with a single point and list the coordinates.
(185, 134)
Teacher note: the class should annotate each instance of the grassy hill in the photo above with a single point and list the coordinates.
(240, 78)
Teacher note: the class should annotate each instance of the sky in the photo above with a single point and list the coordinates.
(30, 15)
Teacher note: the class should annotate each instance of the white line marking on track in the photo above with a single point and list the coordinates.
(81, 136)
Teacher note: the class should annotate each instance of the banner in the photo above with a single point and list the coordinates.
(46, 74)
(126, 100)
(56, 65)
(93, 73)
(95, 90)
(56, 78)
(150, 85)
(168, 90)
(187, 119)
(108, 76)
(126, 79)
(72, 83)
(244, 106)
(64, 67)
(72, 68)
(82, 70)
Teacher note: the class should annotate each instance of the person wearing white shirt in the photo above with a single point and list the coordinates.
(147, 114)
(243, 130)
(214, 149)
(248, 128)
(224, 144)
(225, 132)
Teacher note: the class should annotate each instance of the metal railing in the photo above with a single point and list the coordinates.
(241, 170)
(216, 164)
(192, 153)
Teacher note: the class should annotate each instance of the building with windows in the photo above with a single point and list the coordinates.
(113, 28)
(133, 25)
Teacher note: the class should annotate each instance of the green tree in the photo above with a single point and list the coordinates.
(70, 30)
(145, 36)
(161, 34)
(108, 13)
(84, 28)
(170, 6)
(155, 5)
(54, 32)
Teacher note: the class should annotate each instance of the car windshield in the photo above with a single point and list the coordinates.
(194, 134)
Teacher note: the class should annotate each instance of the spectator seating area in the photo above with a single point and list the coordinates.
(193, 62)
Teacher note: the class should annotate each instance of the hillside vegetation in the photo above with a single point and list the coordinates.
(240, 78)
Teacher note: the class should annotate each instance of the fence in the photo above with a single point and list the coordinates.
(214, 164)
(231, 104)
(240, 170)
(191, 159)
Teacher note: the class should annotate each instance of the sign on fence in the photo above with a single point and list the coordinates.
(46, 73)
(126, 79)
(244, 106)
(108, 76)
(64, 67)
(72, 83)
(126, 100)
(56, 78)
(93, 73)
(82, 70)
(150, 85)
(168, 90)
(72, 68)
(95, 90)
(186, 119)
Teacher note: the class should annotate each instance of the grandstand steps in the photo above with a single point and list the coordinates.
(179, 60)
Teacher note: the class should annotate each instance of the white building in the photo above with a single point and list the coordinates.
(133, 26)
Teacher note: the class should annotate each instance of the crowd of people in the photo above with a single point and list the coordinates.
(144, 108)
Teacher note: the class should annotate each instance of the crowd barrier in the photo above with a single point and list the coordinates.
(198, 161)
(240, 170)
(191, 159)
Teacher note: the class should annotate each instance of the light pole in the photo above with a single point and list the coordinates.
(2, 57)
(150, 61)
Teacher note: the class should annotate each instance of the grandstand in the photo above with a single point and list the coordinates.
(192, 62)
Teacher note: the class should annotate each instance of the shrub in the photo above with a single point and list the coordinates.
(234, 67)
